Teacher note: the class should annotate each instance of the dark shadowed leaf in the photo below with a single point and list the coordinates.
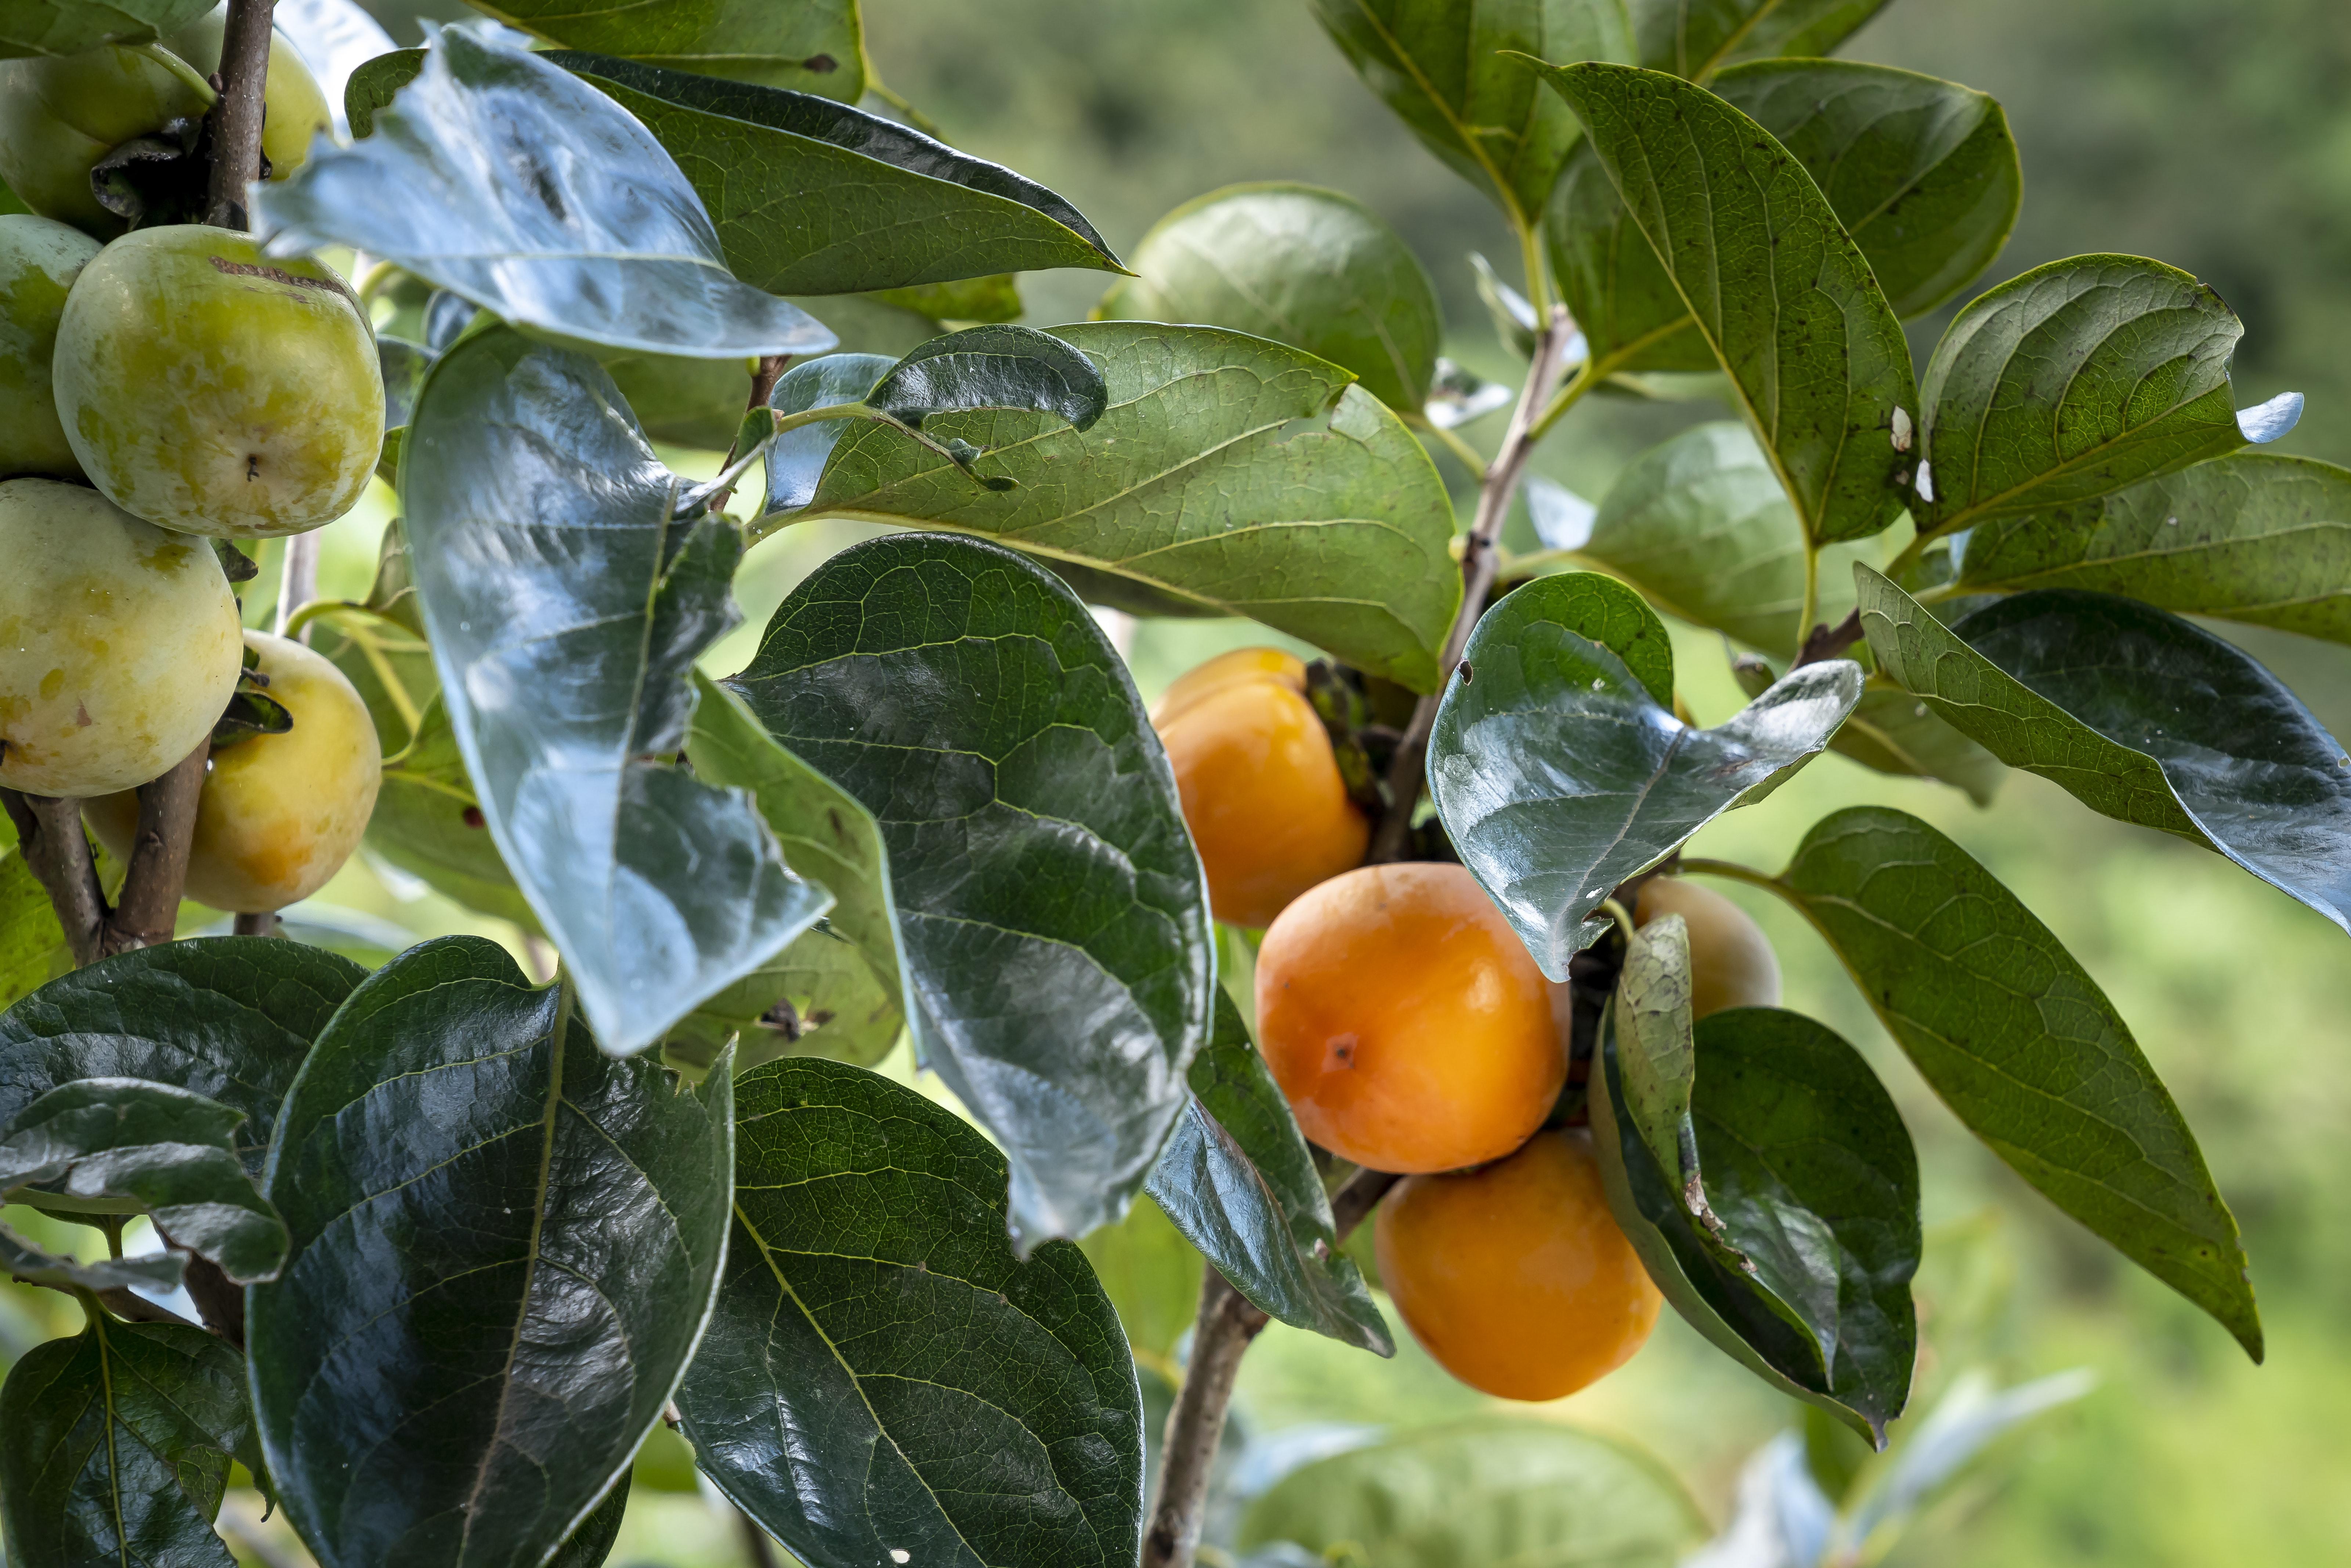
(405, 364)
(1532, 1494)
(809, 46)
(119, 1447)
(228, 1018)
(124, 1145)
(566, 606)
(996, 367)
(2254, 536)
(1559, 771)
(1777, 289)
(1696, 38)
(1440, 66)
(1811, 1178)
(2022, 1044)
(2140, 714)
(814, 197)
(506, 180)
(486, 1207)
(1050, 909)
(1238, 1180)
(1309, 267)
(2070, 382)
(29, 27)
(1193, 483)
(883, 1377)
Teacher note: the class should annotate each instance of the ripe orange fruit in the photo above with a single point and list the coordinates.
(1731, 964)
(1261, 789)
(1515, 1278)
(1405, 1021)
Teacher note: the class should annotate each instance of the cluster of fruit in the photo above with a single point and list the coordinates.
(162, 386)
(1411, 1034)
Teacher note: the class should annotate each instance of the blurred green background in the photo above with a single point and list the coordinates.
(2214, 136)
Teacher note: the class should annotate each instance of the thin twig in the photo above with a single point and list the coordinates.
(755, 1546)
(50, 836)
(1354, 1201)
(1226, 1326)
(1480, 557)
(1830, 642)
(263, 923)
(147, 915)
(236, 117)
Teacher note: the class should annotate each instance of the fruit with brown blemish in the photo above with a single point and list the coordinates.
(119, 642)
(208, 388)
(39, 260)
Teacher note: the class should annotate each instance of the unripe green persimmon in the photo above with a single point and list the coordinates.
(279, 814)
(208, 388)
(60, 114)
(39, 259)
(119, 642)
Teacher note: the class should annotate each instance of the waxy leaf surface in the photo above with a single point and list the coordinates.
(29, 27)
(993, 366)
(1696, 38)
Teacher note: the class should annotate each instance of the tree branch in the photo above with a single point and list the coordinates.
(1226, 1326)
(147, 915)
(50, 838)
(1830, 642)
(236, 117)
(1481, 559)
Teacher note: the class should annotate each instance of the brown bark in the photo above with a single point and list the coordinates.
(236, 117)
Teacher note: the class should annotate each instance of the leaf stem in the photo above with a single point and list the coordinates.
(1732, 871)
(914, 116)
(1481, 559)
(1587, 376)
(1809, 610)
(236, 117)
(1531, 258)
(1452, 441)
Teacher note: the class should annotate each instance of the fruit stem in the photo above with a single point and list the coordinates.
(1480, 557)
(180, 69)
(148, 911)
(50, 836)
(236, 117)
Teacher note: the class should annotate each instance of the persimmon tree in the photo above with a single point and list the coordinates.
(461, 1242)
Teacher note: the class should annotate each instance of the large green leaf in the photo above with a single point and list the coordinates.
(118, 1443)
(506, 1244)
(1559, 773)
(1923, 174)
(2140, 714)
(125, 1146)
(807, 46)
(882, 1376)
(591, 1543)
(814, 197)
(33, 947)
(29, 27)
(228, 1018)
(2070, 382)
(1193, 483)
(1238, 1180)
(566, 604)
(1303, 266)
(1441, 65)
(1696, 38)
(2022, 1044)
(1777, 288)
(503, 179)
(1800, 1263)
(1530, 1494)
(1051, 912)
(2254, 537)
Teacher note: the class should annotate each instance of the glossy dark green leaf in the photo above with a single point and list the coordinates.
(1441, 67)
(1531, 1494)
(1559, 771)
(814, 197)
(2022, 1044)
(1313, 269)
(1050, 909)
(1812, 1192)
(119, 1447)
(125, 1146)
(2254, 536)
(807, 46)
(1777, 288)
(1195, 483)
(228, 1018)
(1696, 38)
(1238, 1179)
(882, 1376)
(506, 1243)
(1702, 525)
(504, 180)
(29, 27)
(2070, 382)
(1923, 174)
(591, 1543)
(2141, 715)
(995, 367)
(565, 606)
